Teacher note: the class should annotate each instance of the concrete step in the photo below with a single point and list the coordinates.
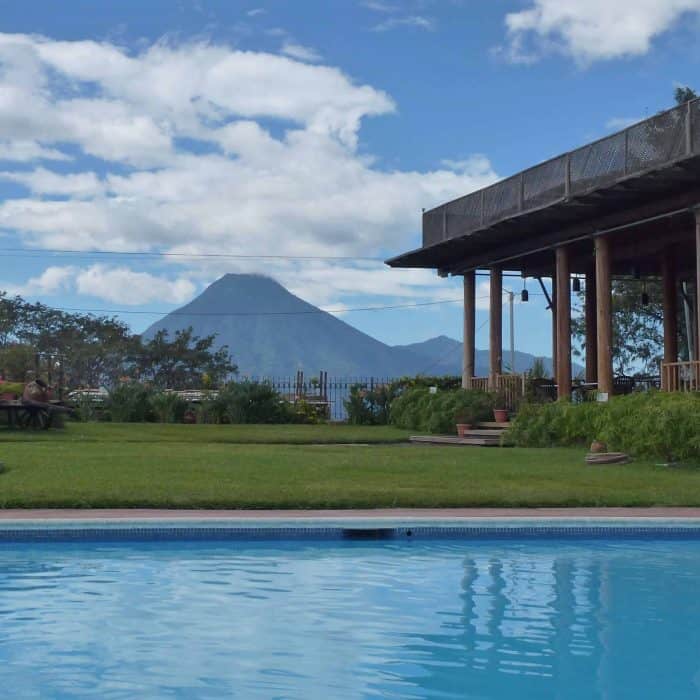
(493, 424)
(454, 440)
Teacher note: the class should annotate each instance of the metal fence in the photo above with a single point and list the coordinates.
(322, 390)
(656, 142)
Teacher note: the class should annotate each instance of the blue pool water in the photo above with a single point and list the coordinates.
(338, 619)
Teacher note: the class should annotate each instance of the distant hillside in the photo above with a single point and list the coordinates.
(269, 331)
(443, 355)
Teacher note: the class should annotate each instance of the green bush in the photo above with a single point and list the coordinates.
(370, 406)
(418, 409)
(253, 402)
(168, 407)
(130, 403)
(650, 424)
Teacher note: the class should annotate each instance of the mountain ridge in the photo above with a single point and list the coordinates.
(272, 332)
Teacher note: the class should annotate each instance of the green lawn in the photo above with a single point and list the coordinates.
(211, 466)
(239, 434)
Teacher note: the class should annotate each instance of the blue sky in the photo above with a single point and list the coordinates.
(298, 128)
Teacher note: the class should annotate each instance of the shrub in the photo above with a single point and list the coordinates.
(168, 407)
(650, 424)
(253, 402)
(370, 406)
(130, 403)
(418, 409)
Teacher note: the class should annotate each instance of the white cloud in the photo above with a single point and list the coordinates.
(207, 149)
(114, 284)
(256, 12)
(416, 21)
(25, 151)
(590, 30)
(43, 181)
(377, 6)
(301, 53)
(52, 280)
(124, 286)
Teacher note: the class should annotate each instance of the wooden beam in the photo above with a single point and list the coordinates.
(563, 283)
(670, 303)
(468, 348)
(591, 321)
(604, 315)
(496, 325)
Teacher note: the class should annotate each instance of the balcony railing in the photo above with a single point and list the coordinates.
(680, 376)
(653, 143)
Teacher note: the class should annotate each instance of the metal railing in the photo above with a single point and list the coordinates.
(653, 143)
(680, 376)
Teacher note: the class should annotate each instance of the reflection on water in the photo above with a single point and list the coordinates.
(422, 619)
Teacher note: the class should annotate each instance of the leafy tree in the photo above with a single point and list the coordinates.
(186, 361)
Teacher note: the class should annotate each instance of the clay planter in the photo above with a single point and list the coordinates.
(463, 428)
(500, 415)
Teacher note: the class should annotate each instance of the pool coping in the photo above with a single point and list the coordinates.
(146, 524)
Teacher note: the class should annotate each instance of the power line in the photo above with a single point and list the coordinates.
(255, 313)
(148, 312)
(24, 252)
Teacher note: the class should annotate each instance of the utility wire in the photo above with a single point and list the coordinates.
(148, 312)
(24, 252)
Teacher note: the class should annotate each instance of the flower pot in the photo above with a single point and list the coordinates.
(500, 415)
(463, 428)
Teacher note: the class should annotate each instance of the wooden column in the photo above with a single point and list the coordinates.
(697, 279)
(469, 329)
(496, 325)
(591, 328)
(563, 282)
(554, 327)
(604, 314)
(668, 276)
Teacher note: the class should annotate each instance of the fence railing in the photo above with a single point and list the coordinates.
(680, 376)
(653, 143)
(512, 386)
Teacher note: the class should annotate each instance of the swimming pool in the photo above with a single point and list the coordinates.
(429, 617)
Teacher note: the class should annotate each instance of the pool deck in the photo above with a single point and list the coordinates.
(417, 514)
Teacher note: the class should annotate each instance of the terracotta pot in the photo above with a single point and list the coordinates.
(463, 428)
(500, 415)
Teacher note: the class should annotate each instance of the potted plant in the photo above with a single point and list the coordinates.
(500, 412)
(464, 420)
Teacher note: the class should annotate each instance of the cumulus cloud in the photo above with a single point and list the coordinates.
(52, 280)
(207, 149)
(25, 151)
(124, 286)
(118, 284)
(590, 30)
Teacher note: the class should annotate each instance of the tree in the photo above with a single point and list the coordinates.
(185, 361)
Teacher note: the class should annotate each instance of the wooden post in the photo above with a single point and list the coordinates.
(563, 281)
(468, 348)
(697, 279)
(554, 328)
(496, 327)
(604, 315)
(591, 328)
(668, 275)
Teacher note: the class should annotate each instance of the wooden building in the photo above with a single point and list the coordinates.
(625, 205)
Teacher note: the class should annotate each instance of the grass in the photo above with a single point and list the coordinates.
(98, 465)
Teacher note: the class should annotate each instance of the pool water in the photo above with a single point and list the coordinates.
(344, 619)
